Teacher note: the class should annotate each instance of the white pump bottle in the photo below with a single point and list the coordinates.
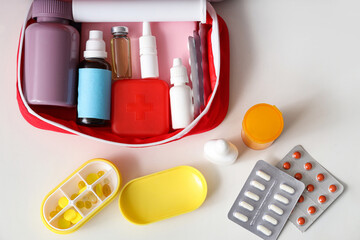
(180, 96)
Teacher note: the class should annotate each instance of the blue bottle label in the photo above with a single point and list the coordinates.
(94, 93)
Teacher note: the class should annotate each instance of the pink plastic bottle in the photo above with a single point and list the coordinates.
(51, 55)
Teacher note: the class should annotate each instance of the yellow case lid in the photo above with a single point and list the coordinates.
(162, 195)
(263, 123)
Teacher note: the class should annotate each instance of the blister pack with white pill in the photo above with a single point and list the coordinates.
(266, 201)
(321, 189)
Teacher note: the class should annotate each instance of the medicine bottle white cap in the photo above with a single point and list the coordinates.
(148, 53)
(178, 73)
(95, 46)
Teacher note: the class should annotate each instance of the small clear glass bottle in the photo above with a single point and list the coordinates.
(121, 53)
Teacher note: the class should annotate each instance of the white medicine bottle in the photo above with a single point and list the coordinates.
(180, 96)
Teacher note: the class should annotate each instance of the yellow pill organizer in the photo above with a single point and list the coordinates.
(144, 200)
(71, 217)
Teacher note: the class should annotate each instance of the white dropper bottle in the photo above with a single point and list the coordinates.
(148, 53)
(180, 96)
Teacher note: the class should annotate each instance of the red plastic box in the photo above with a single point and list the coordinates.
(140, 108)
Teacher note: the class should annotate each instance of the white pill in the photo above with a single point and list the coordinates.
(287, 188)
(246, 205)
(263, 175)
(240, 216)
(281, 198)
(270, 219)
(253, 196)
(264, 230)
(276, 209)
(257, 185)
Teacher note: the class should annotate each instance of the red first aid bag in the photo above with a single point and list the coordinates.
(216, 105)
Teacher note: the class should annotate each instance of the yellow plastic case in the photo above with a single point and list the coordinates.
(107, 175)
(162, 195)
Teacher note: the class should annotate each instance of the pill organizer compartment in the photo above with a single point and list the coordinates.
(58, 221)
(94, 167)
(87, 198)
(108, 179)
(51, 204)
(70, 186)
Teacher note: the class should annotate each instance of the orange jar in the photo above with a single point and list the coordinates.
(262, 125)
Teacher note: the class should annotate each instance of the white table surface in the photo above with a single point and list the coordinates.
(303, 56)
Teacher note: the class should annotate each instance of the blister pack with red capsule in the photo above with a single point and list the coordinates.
(321, 188)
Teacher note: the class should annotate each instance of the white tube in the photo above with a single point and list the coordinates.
(139, 10)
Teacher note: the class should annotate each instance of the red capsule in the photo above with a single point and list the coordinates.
(286, 165)
(332, 188)
(311, 210)
(322, 199)
(298, 176)
(301, 199)
(308, 166)
(320, 177)
(301, 221)
(296, 155)
(310, 187)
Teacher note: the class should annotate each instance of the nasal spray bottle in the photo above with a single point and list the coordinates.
(180, 96)
(94, 91)
(148, 53)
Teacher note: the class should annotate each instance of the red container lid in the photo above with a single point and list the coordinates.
(140, 108)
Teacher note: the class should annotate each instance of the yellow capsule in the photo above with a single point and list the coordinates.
(53, 213)
(63, 202)
(99, 190)
(88, 204)
(80, 204)
(76, 219)
(58, 208)
(70, 214)
(63, 223)
(81, 190)
(100, 173)
(92, 198)
(74, 196)
(81, 184)
(106, 190)
(91, 178)
(85, 198)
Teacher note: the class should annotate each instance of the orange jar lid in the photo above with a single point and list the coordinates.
(263, 123)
